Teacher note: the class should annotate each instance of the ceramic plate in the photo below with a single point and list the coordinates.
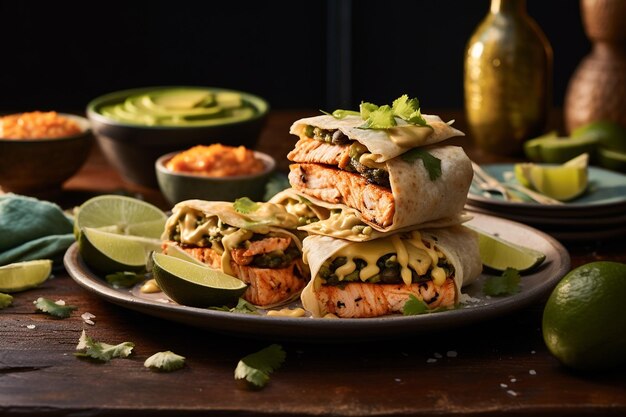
(533, 287)
(606, 195)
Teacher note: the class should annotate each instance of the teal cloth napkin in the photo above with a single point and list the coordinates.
(32, 229)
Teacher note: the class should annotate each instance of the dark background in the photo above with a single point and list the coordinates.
(297, 54)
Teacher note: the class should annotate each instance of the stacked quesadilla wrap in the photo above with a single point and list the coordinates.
(392, 228)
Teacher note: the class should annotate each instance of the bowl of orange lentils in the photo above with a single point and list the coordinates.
(40, 150)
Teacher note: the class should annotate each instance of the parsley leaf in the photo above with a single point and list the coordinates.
(244, 205)
(431, 163)
(5, 300)
(165, 361)
(57, 310)
(88, 347)
(256, 367)
(414, 306)
(123, 279)
(507, 284)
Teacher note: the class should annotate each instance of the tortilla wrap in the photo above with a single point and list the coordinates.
(413, 198)
(458, 244)
(378, 141)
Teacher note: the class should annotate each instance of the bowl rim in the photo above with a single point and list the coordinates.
(82, 121)
(261, 105)
(268, 160)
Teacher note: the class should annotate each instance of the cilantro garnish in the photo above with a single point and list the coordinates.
(431, 163)
(123, 279)
(256, 367)
(244, 205)
(101, 351)
(242, 307)
(507, 284)
(57, 310)
(414, 306)
(5, 300)
(383, 117)
(165, 361)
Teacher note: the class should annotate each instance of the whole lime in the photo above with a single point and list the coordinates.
(584, 320)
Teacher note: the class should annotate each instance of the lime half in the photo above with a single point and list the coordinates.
(499, 254)
(110, 252)
(121, 215)
(21, 276)
(194, 285)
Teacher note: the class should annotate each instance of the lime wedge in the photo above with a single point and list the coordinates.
(121, 215)
(561, 182)
(498, 254)
(21, 276)
(612, 159)
(177, 252)
(110, 252)
(194, 285)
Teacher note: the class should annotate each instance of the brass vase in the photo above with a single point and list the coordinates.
(597, 89)
(507, 79)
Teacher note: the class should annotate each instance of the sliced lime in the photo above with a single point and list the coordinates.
(177, 252)
(194, 285)
(498, 254)
(21, 276)
(561, 182)
(121, 215)
(110, 252)
(612, 159)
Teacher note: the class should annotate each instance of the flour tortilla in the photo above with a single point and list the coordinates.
(377, 140)
(458, 243)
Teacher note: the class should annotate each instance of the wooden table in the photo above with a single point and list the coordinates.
(501, 365)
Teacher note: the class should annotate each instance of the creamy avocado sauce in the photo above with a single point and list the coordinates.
(180, 107)
(409, 136)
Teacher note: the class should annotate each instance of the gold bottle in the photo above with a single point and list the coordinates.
(508, 79)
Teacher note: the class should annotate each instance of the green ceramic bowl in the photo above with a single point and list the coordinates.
(132, 148)
(41, 166)
(178, 186)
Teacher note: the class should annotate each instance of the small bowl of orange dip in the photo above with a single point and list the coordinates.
(214, 172)
(40, 150)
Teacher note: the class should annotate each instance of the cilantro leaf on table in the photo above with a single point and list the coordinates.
(506, 284)
(244, 205)
(57, 310)
(124, 279)
(5, 300)
(413, 306)
(242, 307)
(166, 361)
(256, 367)
(431, 163)
(88, 347)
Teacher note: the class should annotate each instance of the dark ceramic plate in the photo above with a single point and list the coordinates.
(534, 286)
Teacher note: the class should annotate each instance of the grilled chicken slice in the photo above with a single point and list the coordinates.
(332, 185)
(373, 300)
(311, 150)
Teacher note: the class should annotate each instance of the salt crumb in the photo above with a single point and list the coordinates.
(397, 380)
(452, 354)
(532, 372)
(504, 386)
(512, 393)
(532, 352)
(87, 316)
(60, 302)
(31, 326)
(438, 355)
(431, 360)
(513, 380)
(90, 322)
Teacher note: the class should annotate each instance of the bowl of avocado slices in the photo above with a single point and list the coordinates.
(134, 127)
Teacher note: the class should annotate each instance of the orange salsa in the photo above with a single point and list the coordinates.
(37, 125)
(216, 161)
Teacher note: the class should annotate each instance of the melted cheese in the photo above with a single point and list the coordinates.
(410, 251)
(342, 224)
(230, 242)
